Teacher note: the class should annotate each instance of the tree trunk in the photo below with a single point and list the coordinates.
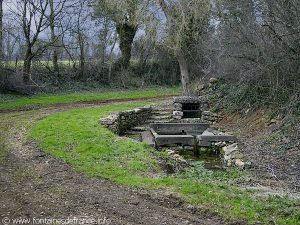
(184, 71)
(104, 40)
(82, 74)
(53, 38)
(183, 64)
(126, 35)
(27, 65)
(1, 29)
(82, 66)
(55, 61)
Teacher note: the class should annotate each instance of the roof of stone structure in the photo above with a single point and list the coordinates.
(186, 99)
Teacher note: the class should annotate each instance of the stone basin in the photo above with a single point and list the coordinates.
(185, 134)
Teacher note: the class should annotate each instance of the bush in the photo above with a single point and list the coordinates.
(234, 97)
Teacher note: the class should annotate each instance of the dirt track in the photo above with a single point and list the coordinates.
(36, 185)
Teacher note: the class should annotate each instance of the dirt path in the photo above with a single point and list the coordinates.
(35, 185)
(87, 103)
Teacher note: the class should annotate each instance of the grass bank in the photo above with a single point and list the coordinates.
(47, 99)
(76, 137)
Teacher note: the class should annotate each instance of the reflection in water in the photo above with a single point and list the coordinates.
(210, 156)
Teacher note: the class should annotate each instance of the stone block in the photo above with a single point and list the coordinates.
(236, 155)
(213, 80)
(192, 120)
(177, 106)
(228, 150)
(239, 163)
(177, 113)
(206, 113)
(186, 99)
(110, 119)
(207, 133)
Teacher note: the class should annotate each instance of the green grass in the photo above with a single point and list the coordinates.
(46, 99)
(76, 137)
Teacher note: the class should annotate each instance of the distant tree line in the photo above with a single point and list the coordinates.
(140, 42)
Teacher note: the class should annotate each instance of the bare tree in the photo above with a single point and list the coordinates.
(259, 45)
(53, 36)
(1, 29)
(126, 15)
(81, 43)
(181, 20)
(12, 40)
(31, 15)
(58, 10)
(75, 40)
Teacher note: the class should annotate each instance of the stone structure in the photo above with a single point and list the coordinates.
(209, 117)
(120, 122)
(187, 134)
(183, 131)
(233, 155)
(204, 103)
(186, 107)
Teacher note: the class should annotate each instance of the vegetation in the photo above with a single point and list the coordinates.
(248, 43)
(45, 99)
(231, 98)
(184, 20)
(64, 51)
(126, 15)
(76, 137)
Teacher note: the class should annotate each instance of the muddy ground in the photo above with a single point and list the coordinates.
(273, 148)
(35, 185)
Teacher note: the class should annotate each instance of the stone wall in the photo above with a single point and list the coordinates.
(210, 117)
(120, 122)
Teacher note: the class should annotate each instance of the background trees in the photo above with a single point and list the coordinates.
(258, 45)
(184, 19)
(1, 28)
(126, 15)
(56, 12)
(32, 17)
(144, 42)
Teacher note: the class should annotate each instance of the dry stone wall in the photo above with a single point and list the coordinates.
(210, 117)
(120, 122)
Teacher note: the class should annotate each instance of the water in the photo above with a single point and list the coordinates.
(209, 156)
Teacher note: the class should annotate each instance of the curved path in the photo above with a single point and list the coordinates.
(35, 185)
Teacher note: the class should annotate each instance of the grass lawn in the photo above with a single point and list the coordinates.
(76, 137)
(47, 99)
